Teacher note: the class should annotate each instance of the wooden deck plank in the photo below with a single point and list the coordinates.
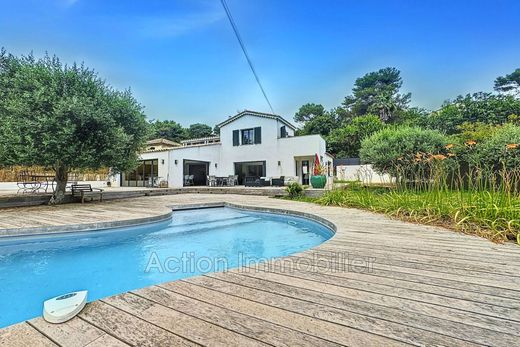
(273, 334)
(499, 281)
(443, 279)
(107, 341)
(332, 296)
(432, 310)
(75, 332)
(461, 292)
(494, 256)
(394, 294)
(303, 323)
(475, 266)
(128, 328)
(400, 332)
(179, 323)
(23, 335)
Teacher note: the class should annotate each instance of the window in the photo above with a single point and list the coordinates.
(248, 136)
(143, 176)
(283, 132)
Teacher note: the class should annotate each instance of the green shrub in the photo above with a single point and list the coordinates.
(345, 141)
(475, 131)
(403, 151)
(295, 189)
(479, 107)
(501, 150)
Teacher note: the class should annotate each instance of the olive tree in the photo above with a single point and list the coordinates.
(65, 117)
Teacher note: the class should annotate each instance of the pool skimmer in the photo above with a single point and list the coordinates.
(64, 307)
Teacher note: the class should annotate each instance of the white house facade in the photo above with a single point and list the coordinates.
(251, 144)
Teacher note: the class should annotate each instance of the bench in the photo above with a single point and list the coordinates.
(86, 190)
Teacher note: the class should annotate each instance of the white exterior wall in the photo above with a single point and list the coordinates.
(363, 173)
(207, 153)
(160, 156)
(272, 150)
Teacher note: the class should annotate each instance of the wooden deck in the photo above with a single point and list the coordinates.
(423, 286)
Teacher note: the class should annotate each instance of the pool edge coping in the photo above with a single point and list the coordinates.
(99, 226)
(313, 217)
(82, 227)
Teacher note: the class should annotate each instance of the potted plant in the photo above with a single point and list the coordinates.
(318, 179)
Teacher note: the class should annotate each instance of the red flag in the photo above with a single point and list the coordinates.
(317, 166)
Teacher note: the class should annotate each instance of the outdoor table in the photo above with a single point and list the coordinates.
(222, 181)
(45, 180)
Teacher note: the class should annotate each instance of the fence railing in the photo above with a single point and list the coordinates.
(10, 174)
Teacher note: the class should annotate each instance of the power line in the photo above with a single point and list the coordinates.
(235, 29)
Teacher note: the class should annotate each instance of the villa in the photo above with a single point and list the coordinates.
(251, 144)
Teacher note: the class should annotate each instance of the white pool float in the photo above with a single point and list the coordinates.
(64, 307)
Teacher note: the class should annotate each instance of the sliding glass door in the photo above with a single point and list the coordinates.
(144, 175)
(250, 168)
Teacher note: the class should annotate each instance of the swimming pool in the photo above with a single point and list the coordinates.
(108, 262)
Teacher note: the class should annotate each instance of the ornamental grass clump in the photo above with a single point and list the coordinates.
(294, 190)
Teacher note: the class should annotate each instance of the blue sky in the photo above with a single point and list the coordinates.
(182, 61)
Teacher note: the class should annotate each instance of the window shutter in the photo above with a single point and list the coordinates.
(258, 135)
(235, 137)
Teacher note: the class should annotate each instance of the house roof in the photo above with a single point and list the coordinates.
(162, 141)
(256, 114)
(209, 138)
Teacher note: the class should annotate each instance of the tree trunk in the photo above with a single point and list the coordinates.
(62, 174)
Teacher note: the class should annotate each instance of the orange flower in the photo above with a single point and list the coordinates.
(449, 145)
(512, 146)
(451, 154)
(439, 156)
(471, 142)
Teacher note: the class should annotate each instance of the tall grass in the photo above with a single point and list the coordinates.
(473, 200)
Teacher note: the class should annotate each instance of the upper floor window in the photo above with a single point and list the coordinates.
(248, 136)
(283, 132)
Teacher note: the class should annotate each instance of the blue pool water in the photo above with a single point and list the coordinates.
(34, 269)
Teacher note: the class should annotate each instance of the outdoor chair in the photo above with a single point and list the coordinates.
(188, 180)
(231, 180)
(85, 190)
(212, 181)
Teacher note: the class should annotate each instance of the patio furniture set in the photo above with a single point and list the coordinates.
(218, 181)
(29, 182)
(253, 181)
